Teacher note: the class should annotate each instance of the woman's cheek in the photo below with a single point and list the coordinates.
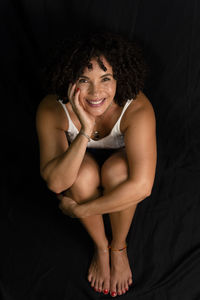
(82, 98)
(112, 89)
(82, 88)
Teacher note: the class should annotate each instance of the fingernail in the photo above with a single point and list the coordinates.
(105, 291)
(113, 294)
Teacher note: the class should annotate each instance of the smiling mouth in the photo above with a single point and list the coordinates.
(96, 102)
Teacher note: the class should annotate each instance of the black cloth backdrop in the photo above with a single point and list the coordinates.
(44, 254)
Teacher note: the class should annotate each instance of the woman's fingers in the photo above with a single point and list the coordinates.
(71, 91)
(76, 99)
(73, 95)
(67, 205)
(84, 117)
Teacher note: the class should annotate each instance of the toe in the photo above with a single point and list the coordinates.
(130, 281)
(106, 286)
(92, 282)
(119, 293)
(113, 289)
(89, 277)
(123, 288)
(119, 289)
(96, 286)
(100, 284)
(113, 294)
(126, 286)
(105, 291)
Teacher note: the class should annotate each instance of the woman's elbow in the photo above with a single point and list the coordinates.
(55, 184)
(55, 188)
(142, 189)
(146, 189)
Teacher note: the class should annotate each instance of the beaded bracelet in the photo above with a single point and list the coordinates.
(83, 133)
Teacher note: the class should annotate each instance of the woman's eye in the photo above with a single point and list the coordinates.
(106, 79)
(82, 80)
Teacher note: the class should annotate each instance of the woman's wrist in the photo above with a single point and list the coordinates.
(87, 131)
(84, 134)
(80, 211)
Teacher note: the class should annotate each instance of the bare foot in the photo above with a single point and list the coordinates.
(99, 271)
(121, 275)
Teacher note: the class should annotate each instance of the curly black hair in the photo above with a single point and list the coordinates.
(72, 55)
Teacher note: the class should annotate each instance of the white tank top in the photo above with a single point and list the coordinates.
(114, 140)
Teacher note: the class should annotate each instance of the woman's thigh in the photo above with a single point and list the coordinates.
(114, 170)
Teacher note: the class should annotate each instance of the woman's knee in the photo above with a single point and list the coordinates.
(114, 171)
(87, 183)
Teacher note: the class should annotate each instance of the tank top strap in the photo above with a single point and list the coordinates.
(116, 128)
(71, 127)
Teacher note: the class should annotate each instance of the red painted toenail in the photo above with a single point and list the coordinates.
(95, 289)
(99, 290)
(126, 289)
(113, 294)
(105, 291)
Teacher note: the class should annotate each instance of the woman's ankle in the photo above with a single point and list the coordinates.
(102, 245)
(118, 244)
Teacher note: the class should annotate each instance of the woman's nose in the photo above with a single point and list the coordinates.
(94, 90)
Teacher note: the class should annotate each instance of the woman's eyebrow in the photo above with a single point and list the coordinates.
(108, 74)
(85, 77)
(105, 75)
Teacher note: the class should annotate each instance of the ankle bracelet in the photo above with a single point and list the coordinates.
(114, 249)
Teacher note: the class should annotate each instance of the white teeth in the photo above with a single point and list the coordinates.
(96, 102)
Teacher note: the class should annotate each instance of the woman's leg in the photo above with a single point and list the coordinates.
(121, 276)
(84, 189)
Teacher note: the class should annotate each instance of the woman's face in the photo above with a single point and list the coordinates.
(97, 88)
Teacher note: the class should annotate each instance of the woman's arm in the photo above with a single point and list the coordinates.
(59, 163)
(140, 141)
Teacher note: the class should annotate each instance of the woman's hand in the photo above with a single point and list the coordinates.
(67, 205)
(87, 121)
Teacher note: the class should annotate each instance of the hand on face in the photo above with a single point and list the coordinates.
(87, 121)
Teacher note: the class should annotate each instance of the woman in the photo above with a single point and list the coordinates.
(98, 145)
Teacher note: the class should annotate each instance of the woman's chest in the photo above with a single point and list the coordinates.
(103, 124)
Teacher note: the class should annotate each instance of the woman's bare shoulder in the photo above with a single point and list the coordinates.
(48, 103)
(140, 103)
(50, 109)
(140, 108)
